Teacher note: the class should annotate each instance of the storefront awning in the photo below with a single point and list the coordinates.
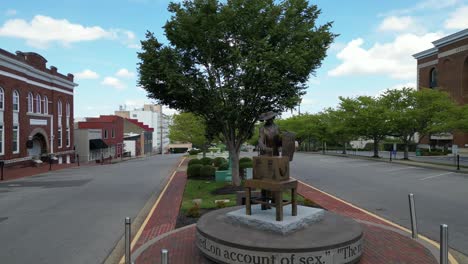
(97, 144)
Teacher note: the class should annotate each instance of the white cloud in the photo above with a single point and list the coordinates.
(124, 73)
(11, 12)
(399, 86)
(458, 19)
(393, 59)
(42, 31)
(113, 82)
(394, 23)
(423, 5)
(86, 74)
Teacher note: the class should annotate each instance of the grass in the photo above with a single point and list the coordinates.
(201, 189)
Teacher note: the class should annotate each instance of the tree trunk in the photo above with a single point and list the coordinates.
(344, 148)
(406, 156)
(323, 147)
(376, 148)
(236, 181)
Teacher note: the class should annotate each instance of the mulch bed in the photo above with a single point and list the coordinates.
(228, 189)
(183, 220)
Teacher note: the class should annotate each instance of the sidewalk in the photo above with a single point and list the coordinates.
(385, 242)
(17, 173)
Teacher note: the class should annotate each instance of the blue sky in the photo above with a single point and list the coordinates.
(98, 41)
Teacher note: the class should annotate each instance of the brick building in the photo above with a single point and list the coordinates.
(445, 67)
(111, 128)
(36, 110)
(138, 137)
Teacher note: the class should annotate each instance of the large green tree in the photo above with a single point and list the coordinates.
(369, 117)
(229, 61)
(186, 127)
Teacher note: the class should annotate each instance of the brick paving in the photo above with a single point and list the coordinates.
(381, 244)
(13, 173)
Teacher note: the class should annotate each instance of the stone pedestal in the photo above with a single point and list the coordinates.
(326, 238)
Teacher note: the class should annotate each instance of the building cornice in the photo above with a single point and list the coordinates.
(425, 53)
(451, 38)
(33, 72)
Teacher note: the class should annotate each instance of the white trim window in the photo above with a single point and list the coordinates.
(30, 103)
(46, 105)
(2, 99)
(105, 133)
(113, 133)
(15, 145)
(1, 138)
(16, 104)
(59, 124)
(38, 103)
(67, 112)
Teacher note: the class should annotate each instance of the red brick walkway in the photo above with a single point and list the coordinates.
(382, 244)
(165, 215)
(17, 173)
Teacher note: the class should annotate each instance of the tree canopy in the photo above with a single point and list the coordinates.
(186, 127)
(230, 61)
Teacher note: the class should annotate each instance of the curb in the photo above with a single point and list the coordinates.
(116, 254)
(452, 259)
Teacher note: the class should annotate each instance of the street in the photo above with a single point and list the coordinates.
(76, 215)
(382, 188)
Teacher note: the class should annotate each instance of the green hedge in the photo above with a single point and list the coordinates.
(245, 164)
(194, 152)
(206, 161)
(193, 171)
(245, 159)
(194, 161)
(218, 161)
(207, 171)
(223, 166)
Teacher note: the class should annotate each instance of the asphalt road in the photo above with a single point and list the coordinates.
(443, 159)
(75, 215)
(441, 197)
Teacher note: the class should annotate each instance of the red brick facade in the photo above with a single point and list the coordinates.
(445, 67)
(23, 74)
(112, 128)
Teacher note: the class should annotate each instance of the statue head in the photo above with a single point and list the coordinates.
(268, 116)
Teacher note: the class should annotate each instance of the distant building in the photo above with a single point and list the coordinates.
(108, 144)
(153, 116)
(36, 110)
(445, 67)
(138, 137)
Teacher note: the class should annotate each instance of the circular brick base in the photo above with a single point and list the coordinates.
(334, 240)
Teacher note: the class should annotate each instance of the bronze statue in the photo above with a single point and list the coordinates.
(271, 139)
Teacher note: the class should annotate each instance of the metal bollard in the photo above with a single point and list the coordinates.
(414, 227)
(458, 162)
(390, 156)
(164, 256)
(128, 235)
(444, 244)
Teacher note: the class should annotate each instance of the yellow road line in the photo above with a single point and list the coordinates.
(142, 227)
(451, 258)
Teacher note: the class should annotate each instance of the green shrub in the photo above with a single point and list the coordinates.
(218, 161)
(194, 152)
(223, 166)
(244, 159)
(207, 171)
(193, 212)
(194, 161)
(246, 164)
(193, 171)
(206, 161)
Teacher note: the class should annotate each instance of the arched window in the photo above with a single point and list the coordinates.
(59, 108)
(16, 103)
(30, 103)
(38, 103)
(2, 98)
(433, 78)
(67, 109)
(46, 105)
